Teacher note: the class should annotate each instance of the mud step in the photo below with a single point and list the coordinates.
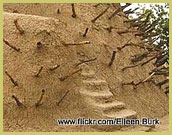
(99, 97)
(95, 85)
(95, 82)
(125, 113)
(87, 76)
(110, 106)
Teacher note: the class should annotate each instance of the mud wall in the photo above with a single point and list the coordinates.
(41, 22)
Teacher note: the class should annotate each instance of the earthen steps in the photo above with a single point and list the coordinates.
(95, 85)
(97, 95)
(95, 82)
(125, 113)
(89, 75)
(110, 106)
(103, 105)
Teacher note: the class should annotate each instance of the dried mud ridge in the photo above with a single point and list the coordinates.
(47, 74)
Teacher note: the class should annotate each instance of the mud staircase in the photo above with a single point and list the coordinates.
(101, 103)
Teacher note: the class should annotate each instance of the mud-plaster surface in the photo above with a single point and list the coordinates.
(147, 100)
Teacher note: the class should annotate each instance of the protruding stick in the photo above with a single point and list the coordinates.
(147, 78)
(39, 72)
(73, 11)
(148, 60)
(132, 44)
(67, 76)
(79, 43)
(85, 33)
(85, 61)
(139, 57)
(13, 47)
(130, 11)
(58, 11)
(58, 103)
(99, 15)
(112, 59)
(19, 104)
(162, 73)
(40, 100)
(130, 83)
(114, 13)
(130, 66)
(167, 90)
(21, 31)
(12, 80)
(125, 6)
(109, 29)
(54, 67)
(15, 11)
(163, 82)
(97, 4)
(120, 48)
(125, 31)
(39, 45)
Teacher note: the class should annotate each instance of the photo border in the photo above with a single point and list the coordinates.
(81, 1)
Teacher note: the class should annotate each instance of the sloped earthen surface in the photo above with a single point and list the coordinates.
(41, 23)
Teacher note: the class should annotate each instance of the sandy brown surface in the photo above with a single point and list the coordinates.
(41, 23)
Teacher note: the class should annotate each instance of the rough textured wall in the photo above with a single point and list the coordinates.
(147, 99)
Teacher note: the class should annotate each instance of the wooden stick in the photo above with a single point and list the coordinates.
(131, 44)
(112, 59)
(54, 67)
(148, 61)
(114, 13)
(163, 82)
(130, 11)
(160, 69)
(130, 66)
(79, 43)
(103, 12)
(139, 57)
(58, 103)
(147, 78)
(12, 80)
(19, 104)
(97, 5)
(162, 73)
(21, 31)
(140, 34)
(125, 45)
(67, 76)
(167, 90)
(39, 72)
(58, 11)
(40, 99)
(85, 33)
(130, 83)
(73, 11)
(39, 45)
(134, 84)
(85, 61)
(15, 11)
(109, 29)
(120, 48)
(125, 6)
(125, 31)
(13, 47)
